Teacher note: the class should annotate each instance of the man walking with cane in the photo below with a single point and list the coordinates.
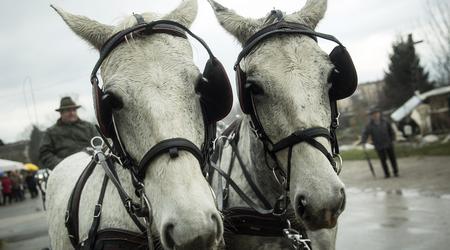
(383, 137)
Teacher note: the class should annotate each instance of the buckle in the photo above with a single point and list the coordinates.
(254, 130)
(297, 240)
(335, 123)
(97, 210)
(281, 206)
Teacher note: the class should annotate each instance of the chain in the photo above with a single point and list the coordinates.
(297, 240)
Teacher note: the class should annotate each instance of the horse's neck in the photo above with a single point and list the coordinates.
(251, 150)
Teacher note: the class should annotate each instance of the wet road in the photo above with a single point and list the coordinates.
(411, 212)
(373, 220)
(398, 219)
(23, 226)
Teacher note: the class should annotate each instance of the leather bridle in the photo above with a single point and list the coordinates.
(117, 153)
(278, 209)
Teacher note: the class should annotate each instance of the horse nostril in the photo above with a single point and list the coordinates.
(168, 235)
(301, 205)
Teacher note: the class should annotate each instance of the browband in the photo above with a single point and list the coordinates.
(281, 27)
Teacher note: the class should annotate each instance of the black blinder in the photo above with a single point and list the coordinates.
(243, 91)
(344, 79)
(215, 91)
(104, 104)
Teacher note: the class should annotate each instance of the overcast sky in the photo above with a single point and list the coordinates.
(38, 51)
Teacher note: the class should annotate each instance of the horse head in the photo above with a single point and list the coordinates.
(152, 80)
(289, 79)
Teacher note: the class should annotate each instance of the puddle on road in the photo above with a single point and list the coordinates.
(445, 196)
(394, 222)
(416, 230)
(409, 193)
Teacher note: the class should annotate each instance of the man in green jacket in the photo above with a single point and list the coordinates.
(69, 135)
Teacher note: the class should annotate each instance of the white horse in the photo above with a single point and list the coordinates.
(154, 77)
(291, 74)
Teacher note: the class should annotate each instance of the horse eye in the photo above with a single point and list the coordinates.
(254, 88)
(112, 101)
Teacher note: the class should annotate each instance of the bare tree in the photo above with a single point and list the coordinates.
(438, 19)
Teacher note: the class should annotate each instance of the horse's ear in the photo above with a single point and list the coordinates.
(92, 31)
(240, 27)
(185, 13)
(310, 14)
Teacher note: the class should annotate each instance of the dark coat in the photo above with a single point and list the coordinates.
(62, 140)
(381, 133)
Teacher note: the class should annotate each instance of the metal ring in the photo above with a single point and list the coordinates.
(341, 162)
(149, 206)
(98, 146)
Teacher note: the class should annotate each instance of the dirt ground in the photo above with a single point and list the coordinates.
(426, 175)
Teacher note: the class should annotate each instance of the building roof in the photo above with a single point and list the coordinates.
(415, 101)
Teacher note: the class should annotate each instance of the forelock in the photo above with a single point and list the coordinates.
(131, 20)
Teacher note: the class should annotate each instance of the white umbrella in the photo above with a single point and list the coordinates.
(7, 165)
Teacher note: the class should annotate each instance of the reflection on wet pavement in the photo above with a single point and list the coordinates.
(395, 219)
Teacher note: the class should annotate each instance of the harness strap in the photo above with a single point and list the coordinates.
(241, 193)
(108, 167)
(248, 177)
(120, 239)
(97, 214)
(243, 220)
(71, 220)
(227, 184)
(334, 125)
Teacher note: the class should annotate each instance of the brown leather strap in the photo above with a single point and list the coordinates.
(71, 220)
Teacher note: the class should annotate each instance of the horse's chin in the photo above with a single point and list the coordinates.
(313, 226)
(326, 221)
(312, 223)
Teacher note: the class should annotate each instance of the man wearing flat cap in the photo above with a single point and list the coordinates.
(69, 135)
(383, 137)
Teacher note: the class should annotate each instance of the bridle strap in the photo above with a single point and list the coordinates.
(248, 177)
(300, 136)
(281, 27)
(159, 26)
(241, 193)
(171, 146)
(109, 168)
(306, 135)
(71, 217)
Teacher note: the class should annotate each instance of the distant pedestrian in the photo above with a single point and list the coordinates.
(7, 189)
(69, 135)
(31, 184)
(383, 137)
(17, 186)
